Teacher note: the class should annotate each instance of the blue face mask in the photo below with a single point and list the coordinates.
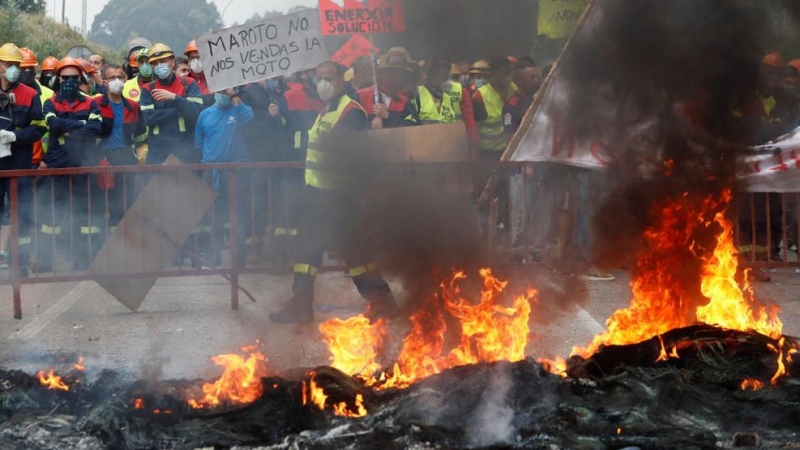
(481, 82)
(162, 71)
(222, 100)
(273, 83)
(145, 70)
(12, 74)
(68, 88)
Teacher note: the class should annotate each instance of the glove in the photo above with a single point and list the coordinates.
(7, 137)
(82, 122)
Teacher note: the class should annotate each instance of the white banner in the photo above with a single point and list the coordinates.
(775, 167)
(260, 50)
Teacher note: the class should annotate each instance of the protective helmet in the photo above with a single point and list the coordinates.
(773, 59)
(191, 47)
(142, 54)
(133, 60)
(396, 58)
(137, 43)
(160, 51)
(454, 70)
(480, 67)
(68, 61)
(28, 58)
(795, 63)
(348, 75)
(49, 63)
(87, 66)
(10, 52)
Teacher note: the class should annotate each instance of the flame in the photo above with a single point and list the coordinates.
(51, 380)
(752, 384)
(556, 367)
(313, 394)
(354, 344)
(490, 332)
(79, 365)
(240, 382)
(342, 409)
(662, 301)
(138, 403)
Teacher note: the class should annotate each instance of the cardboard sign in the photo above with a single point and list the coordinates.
(259, 50)
(557, 18)
(361, 16)
(355, 48)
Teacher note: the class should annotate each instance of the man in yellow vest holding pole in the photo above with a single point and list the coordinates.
(332, 200)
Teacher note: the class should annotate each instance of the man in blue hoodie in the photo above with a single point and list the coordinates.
(221, 137)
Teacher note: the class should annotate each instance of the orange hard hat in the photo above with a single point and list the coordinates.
(191, 47)
(133, 61)
(795, 63)
(773, 59)
(49, 63)
(69, 61)
(87, 66)
(28, 58)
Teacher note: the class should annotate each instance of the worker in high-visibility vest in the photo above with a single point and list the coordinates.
(332, 205)
(488, 102)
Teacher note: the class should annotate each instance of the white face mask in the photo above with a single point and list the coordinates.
(196, 65)
(115, 86)
(325, 89)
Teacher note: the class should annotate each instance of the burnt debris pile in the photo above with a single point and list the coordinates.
(691, 388)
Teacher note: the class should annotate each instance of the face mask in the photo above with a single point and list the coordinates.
(314, 81)
(12, 74)
(69, 88)
(273, 83)
(196, 65)
(28, 77)
(162, 71)
(325, 90)
(146, 70)
(115, 86)
(481, 82)
(463, 79)
(46, 79)
(288, 78)
(447, 86)
(222, 100)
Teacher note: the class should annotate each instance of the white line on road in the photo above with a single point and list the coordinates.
(60, 307)
(589, 322)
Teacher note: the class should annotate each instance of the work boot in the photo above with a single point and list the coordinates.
(295, 311)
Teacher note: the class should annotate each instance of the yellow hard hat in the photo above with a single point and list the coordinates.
(480, 67)
(10, 52)
(454, 70)
(160, 51)
(348, 74)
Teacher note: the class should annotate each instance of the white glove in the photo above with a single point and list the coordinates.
(5, 150)
(7, 137)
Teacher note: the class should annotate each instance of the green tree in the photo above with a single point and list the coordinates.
(173, 22)
(26, 6)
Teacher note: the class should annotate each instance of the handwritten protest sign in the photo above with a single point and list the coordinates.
(557, 18)
(264, 49)
(354, 48)
(361, 16)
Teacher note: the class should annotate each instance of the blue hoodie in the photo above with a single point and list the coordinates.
(221, 134)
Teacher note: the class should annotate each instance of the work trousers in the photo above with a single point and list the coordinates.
(24, 211)
(331, 216)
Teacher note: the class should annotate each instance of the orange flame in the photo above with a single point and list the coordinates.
(490, 332)
(556, 367)
(354, 344)
(50, 380)
(315, 395)
(662, 301)
(752, 384)
(79, 365)
(138, 403)
(240, 382)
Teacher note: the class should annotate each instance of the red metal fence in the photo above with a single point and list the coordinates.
(547, 219)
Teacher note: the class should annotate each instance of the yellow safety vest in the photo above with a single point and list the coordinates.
(46, 94)
(491, 131)
(131, 89)
(428, 111)
(456, 92)
(319, 160)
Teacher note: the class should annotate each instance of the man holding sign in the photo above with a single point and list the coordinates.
(332, 199)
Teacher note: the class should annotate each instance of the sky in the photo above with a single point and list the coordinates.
(237, 10)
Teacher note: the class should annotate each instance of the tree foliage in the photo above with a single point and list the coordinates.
(26, 6)
(173, 22)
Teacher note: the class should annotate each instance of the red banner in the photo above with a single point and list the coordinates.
(361, 16)
(356, 47)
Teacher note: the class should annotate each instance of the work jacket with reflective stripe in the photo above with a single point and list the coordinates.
(72, 143)
(323, 165)
(26, 122)
(401, 114)
(134, 131)
(171, 123)
(489, 116)
(303, 108)
(430, 113)
(40, 146)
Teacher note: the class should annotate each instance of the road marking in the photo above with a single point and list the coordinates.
(60, 307)
(589, 322)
